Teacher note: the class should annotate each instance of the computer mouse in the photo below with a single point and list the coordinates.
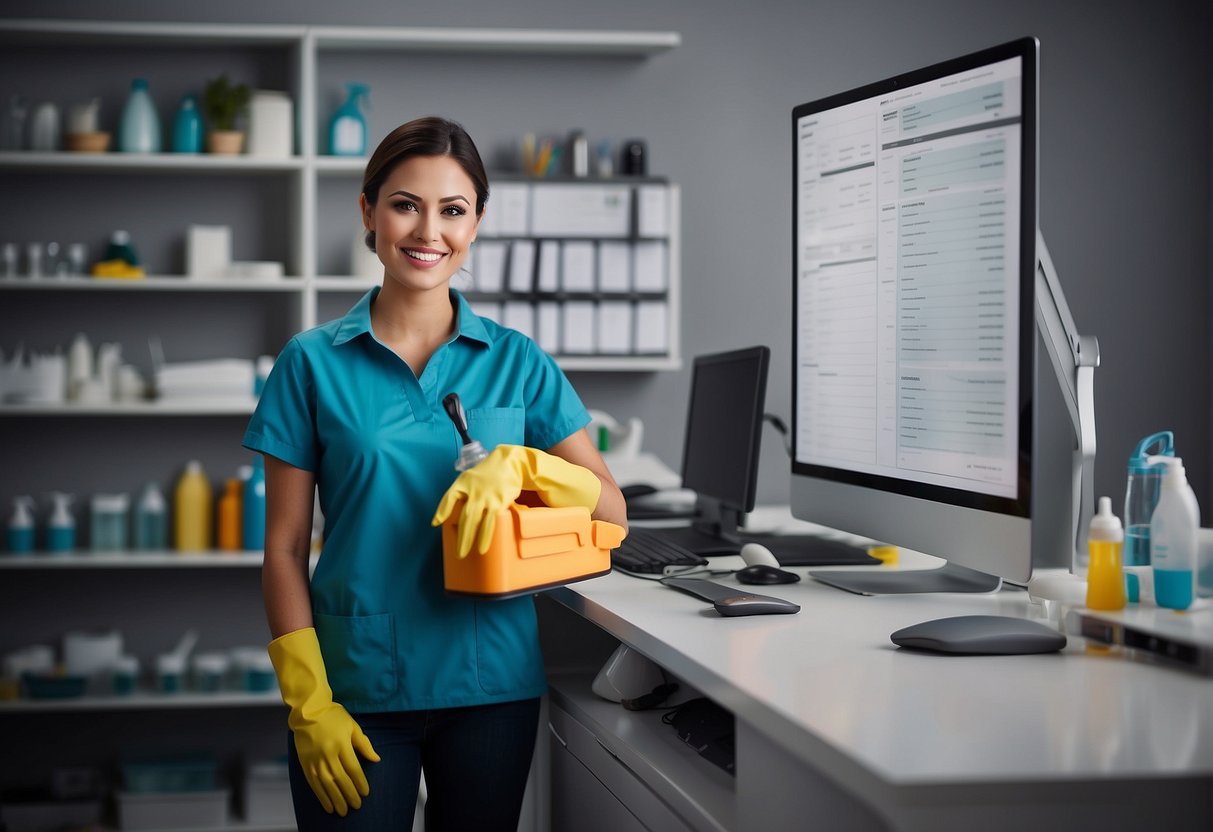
(753, 553)
(764, 573)
(981, 635)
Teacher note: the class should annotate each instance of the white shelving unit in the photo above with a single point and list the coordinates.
(144, 700)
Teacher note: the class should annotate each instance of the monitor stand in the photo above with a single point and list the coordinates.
(950, 577)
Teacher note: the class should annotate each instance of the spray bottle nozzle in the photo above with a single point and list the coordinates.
(472, 451)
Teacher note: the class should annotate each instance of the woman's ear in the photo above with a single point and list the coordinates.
(368, 213)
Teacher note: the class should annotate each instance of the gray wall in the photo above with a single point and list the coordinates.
(1125, 166)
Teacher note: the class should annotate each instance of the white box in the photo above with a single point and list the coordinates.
(614, 327)
(507, 212)
(648, 266)
(581, 210)
(652, 327)
(490, 266)
(172, 810)
(208, 250)
(577, 266)
(271, 123)
(577, 328)
(614, 267)
(522, 266)
(519, 315)
(549, 267)
(652, 210)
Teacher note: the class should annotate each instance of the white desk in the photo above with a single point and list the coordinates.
(838, 728)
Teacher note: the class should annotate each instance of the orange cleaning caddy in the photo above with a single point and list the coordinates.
(532, 549)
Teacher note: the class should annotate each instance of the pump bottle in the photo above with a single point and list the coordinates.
(61, 528)
(151, 520)
(1173, 528)
(254, 507)
(192, 506)
(1105, 574)
(20, 538)
(347, 131)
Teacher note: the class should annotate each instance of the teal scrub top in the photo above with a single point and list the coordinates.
(342, 405)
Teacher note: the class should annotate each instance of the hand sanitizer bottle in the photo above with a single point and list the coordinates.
(1105, 575)
(20, 538)
(61, 528)
(1173, 537)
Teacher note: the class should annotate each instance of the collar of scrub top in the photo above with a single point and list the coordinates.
(358, 320)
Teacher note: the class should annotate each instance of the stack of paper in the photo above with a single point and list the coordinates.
(221, 378)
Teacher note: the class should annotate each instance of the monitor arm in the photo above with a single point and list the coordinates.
(1074, 358)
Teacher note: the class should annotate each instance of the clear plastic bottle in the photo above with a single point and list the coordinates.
(1173, 537)
(139, 128)
(1141, 495)
(1105, 575)
(151, 520)
(192, 508)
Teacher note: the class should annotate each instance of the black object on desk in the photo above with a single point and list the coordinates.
(812, 550)
(646, 554)
(730, 601)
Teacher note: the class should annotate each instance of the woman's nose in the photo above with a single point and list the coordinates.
(426, 228)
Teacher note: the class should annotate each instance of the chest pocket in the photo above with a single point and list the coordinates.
(493, 426)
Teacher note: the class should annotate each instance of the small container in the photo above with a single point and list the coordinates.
(20, 533)
(151, 520)
(347, 130)
(110, 516)
(579, 154)
(124, 675)
(1173, 546)
(209, 671)
(254, 671)
(170, 672)
(1105, 574)
(1141, 495)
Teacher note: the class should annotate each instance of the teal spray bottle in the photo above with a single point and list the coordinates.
(61, 528)
(347, 130)
(20, 533)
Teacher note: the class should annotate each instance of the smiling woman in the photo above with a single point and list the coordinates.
(384, 673)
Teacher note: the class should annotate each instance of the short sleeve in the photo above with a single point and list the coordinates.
(284, 423)
(554, 411)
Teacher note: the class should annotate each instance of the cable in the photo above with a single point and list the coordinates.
(782, 428)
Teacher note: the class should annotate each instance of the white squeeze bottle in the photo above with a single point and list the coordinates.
(1173, 536)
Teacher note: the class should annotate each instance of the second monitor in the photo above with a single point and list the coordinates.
(720, 464)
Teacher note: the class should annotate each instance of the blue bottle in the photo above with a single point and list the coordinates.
(187, 127)
(61, 528)
(20, 532)
(253, 508)
(151, 520)
(347, 130)
(1141, 495)
(139, 129)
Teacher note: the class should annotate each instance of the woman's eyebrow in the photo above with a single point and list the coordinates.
(416, 198)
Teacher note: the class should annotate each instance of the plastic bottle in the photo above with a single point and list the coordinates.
(1105, 575)
(20, 538)
(254, 507)
(230, 516)
(1141, 495)
(347, 130)
(192, 509)
(79, 365)
(1173, 537)
(139, 128)
(121, 248)
(110, 517)
(151, 520)
(61, 528)
(187, 127)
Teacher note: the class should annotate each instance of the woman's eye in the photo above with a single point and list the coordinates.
(454, 211)
(405, 206)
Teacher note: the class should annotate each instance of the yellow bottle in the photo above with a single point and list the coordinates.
(192, 509)
(1105, 572)
(230, 514)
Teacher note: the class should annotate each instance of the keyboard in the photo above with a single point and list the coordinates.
(649, 555)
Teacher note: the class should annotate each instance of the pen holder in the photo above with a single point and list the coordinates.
(532, 549)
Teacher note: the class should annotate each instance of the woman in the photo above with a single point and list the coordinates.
(384, 674)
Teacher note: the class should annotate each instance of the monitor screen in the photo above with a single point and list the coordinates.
(914, 265)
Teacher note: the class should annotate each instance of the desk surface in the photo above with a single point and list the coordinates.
(828, 686)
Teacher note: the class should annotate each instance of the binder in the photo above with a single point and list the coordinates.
(486, 309)
(614, 267)
(519, 315)
(489, 267)
(547, 326)
(652, 327)
(549, 267)
(507, 213)
(577, 327)
(648, 266)
(614, 327)
(652, 211)
(522, 266)
(577, 260)
(581, 210)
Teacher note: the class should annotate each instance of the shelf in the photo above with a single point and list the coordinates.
(528, 41)
(151, 283)
(170, 407)
(77, 32)
(114, 162)
(84, 559)
(146, 701)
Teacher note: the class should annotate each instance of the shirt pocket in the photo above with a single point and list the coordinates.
(359, 657)
(493, 426)
(507, 646)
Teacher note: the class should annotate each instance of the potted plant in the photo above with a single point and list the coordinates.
(222, 104)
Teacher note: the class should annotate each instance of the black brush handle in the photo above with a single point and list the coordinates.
(454, 409)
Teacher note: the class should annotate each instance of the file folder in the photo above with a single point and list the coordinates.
(577, 273)
(522, 266)
(549, 267)
(581, 210)
(648, 266)
(489, 268)
(652, 211)
(614, 327)
(652, 327)
(577, 328)
(519, 315)
(507, 214)
(614, 267)
(547, 326)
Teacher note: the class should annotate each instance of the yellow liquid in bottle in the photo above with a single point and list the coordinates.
(1105, 576)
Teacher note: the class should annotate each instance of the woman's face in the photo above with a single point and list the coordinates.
(424, 221)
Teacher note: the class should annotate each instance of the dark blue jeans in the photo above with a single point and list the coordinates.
(476, 762)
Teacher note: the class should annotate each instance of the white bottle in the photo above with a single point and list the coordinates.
(1173, 536)
(79, 365)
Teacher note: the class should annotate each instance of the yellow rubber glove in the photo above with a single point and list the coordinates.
(326, 736)
(497, 481)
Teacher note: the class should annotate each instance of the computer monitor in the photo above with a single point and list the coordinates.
(914, 272)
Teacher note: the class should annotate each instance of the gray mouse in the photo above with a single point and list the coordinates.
(762, 573)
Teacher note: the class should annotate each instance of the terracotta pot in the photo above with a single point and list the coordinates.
(229, 142)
